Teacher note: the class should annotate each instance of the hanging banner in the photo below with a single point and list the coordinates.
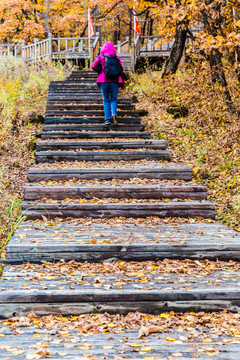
(90, 26)
(136, 26)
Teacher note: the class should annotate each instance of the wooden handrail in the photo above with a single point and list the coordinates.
(51, 48)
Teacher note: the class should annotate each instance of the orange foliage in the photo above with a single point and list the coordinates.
(26, 19)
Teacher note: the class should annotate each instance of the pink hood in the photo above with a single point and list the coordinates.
(108, 49)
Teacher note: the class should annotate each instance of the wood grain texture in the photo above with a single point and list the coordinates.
(108, 346)
(92, 127)
(124, 241)
(170, 172)
(79, 113)
(89, 120)
(52, 156)
(162, 210)
(120, 192)
(92, 145)
(93, 135)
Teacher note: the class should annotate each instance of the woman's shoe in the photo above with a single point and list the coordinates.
(106, 126)
(115, 122)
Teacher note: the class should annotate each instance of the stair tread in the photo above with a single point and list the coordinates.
(121, 239)
(133, 166)
(107, 342)
(121, 281)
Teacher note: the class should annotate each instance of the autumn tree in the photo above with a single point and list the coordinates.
(29, 19)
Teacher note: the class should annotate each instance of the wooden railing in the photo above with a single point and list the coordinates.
(33, 52)
(14, 50)
(135, 49)
(123, 48)
(53, 48)
(155, 44)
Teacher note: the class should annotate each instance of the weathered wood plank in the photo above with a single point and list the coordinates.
(107, 346)
(122, 307)
(81, 107)
(170, 172)
(62, 99)
(52, 156)
(77, 91)
(92, 145)
(162, 210)
(89, 120)
(91, 135)
(79, 113)
(92, 127)
(120, 192)
(51, 254)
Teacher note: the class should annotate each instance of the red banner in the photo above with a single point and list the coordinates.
(136, 23)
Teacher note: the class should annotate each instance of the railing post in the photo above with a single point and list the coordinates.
(35, 51)
(133, 56)
(119, 47)
(90, 52)
(23, 49)
(50, 48)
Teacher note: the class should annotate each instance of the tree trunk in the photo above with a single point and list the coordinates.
(237, 71)
(46, 17)
(218, 75)
(176, 51)
(215, 58)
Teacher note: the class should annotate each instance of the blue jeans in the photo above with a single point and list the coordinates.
(109, 93)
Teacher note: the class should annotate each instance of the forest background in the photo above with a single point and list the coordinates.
(207, 83)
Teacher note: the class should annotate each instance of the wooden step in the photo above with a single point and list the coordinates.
(157, 171)
(75, 87)
(66, 83)
(106, 344)
(93, 135)
(93, 145)
(89, 120)
(75, 80)
(74, 91)
(120, 192)
(71, 107)
(77, 90)
(141, 210)
(52, 156)
(122, 241)
(93, 127)
(79, 77)
(90, 99)
(79, 113)
(74, 291)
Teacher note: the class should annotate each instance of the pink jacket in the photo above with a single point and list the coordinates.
(107, 49)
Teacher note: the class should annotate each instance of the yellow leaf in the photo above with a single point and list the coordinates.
(107, 347)
(170, 339)
(146, 349)
(136, 345)
(111, 325)
(206, 340)
(164, 315)
(211, 354)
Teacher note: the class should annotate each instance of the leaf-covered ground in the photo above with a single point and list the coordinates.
(208, 140)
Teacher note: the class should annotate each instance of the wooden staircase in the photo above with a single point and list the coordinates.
(116, 197)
